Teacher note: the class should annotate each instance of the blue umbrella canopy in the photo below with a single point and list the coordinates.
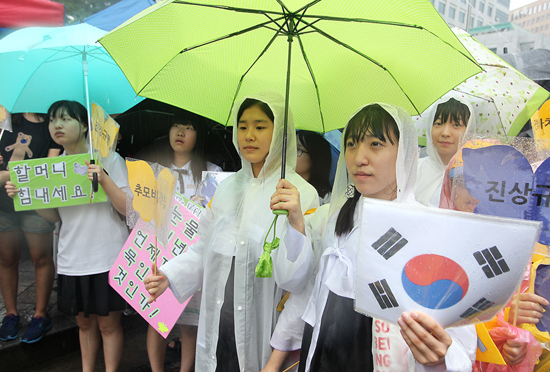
(41, 65)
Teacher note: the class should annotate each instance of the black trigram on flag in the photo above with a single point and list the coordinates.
(491, 262)
(389, 244)
(482, 304)
(383, 294)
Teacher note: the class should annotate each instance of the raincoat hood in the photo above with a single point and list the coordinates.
(273, 161)
(406, 167)
(431, 168)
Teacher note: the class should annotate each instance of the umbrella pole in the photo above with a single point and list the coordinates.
(285, 121)
(95, 184)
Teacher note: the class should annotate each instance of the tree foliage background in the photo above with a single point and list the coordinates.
(77, 10)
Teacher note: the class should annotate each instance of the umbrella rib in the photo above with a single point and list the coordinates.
(314, 80)
(362, 20)
(300, 31)
(283, 6)
(236, 33)
(321, 32)
(224, 7)
(341, 43)
(246, 72)
(307, 6)
(489, 99)
(398, 24)
(206, 43)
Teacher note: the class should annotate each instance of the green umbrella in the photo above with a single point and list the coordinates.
(331, 56)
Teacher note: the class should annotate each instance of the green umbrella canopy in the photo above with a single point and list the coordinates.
(205, 55)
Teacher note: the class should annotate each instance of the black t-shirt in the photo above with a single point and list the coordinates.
(31, 141)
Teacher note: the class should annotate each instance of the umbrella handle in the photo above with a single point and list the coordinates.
(95, 182)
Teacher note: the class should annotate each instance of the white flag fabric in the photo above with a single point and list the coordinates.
(459, 268)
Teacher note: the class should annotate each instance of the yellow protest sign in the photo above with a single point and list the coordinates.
(487, 351)
(165, 188)
(152, 197)
(540, 122)
(5, 119)
(105, 131)
(144, 187)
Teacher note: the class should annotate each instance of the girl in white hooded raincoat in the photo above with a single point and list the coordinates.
(238, 309)
(336, 337)
(431, 168)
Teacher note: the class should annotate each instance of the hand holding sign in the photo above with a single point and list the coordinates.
(132, 274)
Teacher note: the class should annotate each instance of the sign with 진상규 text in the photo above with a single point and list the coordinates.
(136, 259)
(53, 182)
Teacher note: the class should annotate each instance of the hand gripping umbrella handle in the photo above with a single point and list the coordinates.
(95, 182)
(280, 212)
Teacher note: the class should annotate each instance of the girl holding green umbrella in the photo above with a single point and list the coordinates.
(238, 309)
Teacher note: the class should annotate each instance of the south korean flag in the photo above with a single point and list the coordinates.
(459, 268)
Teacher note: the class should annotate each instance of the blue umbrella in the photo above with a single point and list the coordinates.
(41, 65)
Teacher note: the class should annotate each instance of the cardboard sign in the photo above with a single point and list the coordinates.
(540, 122)
(503, 181)
(105, 131)
(459, 268)
(53, 182)
(136, 258)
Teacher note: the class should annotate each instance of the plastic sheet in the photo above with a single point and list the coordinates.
(505, 331)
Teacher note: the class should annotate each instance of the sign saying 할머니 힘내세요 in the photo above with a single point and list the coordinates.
(53, 182)
(134, 264)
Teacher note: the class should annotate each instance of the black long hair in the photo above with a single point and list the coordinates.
(371, 120)
(249, 102)
(17, 118)
(72, 108)
(160, 151)
(319, 151)
(454, 109)
(198, 160)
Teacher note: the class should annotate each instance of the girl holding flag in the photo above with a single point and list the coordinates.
(85, 257)
(378, 161)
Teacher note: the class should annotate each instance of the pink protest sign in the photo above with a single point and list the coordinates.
(134, 262)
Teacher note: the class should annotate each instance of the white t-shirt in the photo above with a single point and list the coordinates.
(191, 189)
(92, 235)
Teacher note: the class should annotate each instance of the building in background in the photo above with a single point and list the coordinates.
(534, 17)
(508, 37)
(468, 14)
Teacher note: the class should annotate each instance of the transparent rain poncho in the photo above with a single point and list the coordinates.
(335, 260)
(431, 168)
(232, 232)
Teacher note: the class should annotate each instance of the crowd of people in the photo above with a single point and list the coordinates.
(303, 316)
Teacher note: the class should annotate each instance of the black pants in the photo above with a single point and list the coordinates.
(345, 339)
(226, 351)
